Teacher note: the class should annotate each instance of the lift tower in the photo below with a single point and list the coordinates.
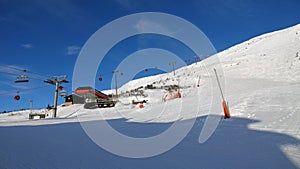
(56, 80)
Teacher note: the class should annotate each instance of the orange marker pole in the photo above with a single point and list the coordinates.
(141, 105)
(226, 110)
(225, 107)
(179, 94)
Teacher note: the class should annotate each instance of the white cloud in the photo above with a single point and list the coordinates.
(144, 25)
(72, 50)
(27, 45)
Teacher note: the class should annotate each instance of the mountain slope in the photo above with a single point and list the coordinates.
(261, 82)
(274, 56)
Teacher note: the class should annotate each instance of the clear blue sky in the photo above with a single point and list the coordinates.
(45, 36)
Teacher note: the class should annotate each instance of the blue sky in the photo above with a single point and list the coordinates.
(45, 37)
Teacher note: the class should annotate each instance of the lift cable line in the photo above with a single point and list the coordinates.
(115, 73)
(24, 75)
(108, 73)
(9, 73)
(22, 70)
(13, 68)
(56, 80)
(21, 77)
(104, 74)
(23, 90)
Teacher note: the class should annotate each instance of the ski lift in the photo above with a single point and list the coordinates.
(60, 88)
(17, 97)
(63, 93)
(22, 79)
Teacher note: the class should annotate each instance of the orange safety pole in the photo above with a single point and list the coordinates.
(225, 107)
(179, 94)
(141, 105)
(226, 110)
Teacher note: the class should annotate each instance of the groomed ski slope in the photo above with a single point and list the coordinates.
(261, 79)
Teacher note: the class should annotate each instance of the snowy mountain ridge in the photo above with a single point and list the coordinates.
(273, 56)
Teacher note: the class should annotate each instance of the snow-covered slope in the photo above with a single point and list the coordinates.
(274, 56)
(261, 83)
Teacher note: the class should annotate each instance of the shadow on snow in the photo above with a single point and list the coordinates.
(233, 145)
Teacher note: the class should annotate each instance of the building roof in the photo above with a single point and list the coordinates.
(87, 91)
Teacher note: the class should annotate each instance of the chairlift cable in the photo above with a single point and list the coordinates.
(9, 73)
(18, 75)
(22, 90)
(23, 70)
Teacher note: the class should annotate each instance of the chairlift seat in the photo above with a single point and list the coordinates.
(22, 79)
